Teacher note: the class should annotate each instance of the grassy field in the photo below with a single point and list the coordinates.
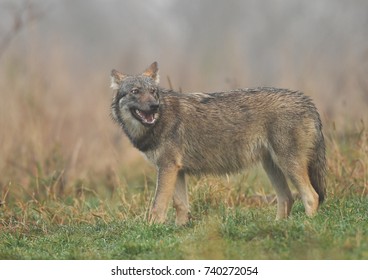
(47, 215)
(72, 187)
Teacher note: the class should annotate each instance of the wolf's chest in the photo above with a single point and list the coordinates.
(152, 156)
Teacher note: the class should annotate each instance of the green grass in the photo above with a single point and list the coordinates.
(339, 231)
(46, 215)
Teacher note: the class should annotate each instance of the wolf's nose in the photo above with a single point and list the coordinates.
(154, 106)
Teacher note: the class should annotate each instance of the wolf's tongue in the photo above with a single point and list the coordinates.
(148, 118)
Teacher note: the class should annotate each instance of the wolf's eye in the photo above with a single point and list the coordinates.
(152, 91)
(134, 91)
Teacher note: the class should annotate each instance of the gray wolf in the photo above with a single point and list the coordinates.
(222, 133)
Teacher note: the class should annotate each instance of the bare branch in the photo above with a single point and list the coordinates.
(22, 16)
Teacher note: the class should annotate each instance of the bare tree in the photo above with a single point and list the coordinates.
(22, 15)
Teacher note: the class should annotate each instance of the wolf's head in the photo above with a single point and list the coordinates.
(136, 101)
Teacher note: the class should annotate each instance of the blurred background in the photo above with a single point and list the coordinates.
(56, 58)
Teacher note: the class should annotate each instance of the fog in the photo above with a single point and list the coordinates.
(319, 47)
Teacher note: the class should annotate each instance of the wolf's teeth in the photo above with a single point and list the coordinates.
(146, 118)
(138, 113)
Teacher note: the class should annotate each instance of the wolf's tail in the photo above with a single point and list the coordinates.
(317, 167)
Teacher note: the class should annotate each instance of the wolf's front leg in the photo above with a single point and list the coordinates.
(181, 202)
(166, 180)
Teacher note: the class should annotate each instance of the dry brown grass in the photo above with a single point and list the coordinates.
(59, 146)
(71, 186)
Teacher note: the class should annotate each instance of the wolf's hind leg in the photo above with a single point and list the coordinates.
(181, 202)
(299, 177)
(284, 197)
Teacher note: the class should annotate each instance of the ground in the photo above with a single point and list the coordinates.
(232, 218)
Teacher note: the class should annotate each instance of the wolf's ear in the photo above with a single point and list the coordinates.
(152, 72)
(116, 78)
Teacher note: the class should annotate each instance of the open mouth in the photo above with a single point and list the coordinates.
(145, 117)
